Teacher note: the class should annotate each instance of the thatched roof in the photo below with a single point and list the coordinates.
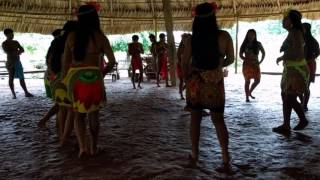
(125, 16)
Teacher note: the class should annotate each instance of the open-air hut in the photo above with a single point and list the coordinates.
(128, 16)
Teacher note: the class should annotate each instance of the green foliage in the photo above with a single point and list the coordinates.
(275, 28)
(120, 45)
(145, 42)
(30, 49)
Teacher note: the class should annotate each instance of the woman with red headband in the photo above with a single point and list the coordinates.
(211, 49)
(84, 51)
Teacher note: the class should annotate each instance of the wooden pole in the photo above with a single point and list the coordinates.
(237, 32)
(172, 49)
(154, 21)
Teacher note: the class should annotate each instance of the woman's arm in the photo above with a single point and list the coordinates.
(186, 57)
(262, 52)
(229, 59)
(107, 50)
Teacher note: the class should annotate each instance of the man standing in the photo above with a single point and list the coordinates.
(13, 50)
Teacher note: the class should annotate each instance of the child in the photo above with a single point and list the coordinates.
(13, 50)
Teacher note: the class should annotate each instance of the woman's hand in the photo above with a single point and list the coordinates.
(278, 60)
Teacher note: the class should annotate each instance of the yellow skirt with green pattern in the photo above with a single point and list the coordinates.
(82, 89)
(295, 77)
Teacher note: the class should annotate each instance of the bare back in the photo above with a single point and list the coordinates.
(97, 47)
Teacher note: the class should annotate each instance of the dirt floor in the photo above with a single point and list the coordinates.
(145, 135)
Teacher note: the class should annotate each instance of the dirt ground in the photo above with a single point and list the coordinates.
(145, 135)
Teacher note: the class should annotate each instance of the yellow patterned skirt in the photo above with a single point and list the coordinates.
(82, 89)
(295, 77)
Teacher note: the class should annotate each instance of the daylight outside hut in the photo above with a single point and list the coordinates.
(130, 16)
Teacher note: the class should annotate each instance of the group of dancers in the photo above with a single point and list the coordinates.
(75, 80)
(159, 51)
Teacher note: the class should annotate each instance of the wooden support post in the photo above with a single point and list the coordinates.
(237, 50)
(155, 21)
(172, 49)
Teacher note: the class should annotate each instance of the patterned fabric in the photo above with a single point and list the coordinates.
(164, 68)
(312, 67)
(205, 90)
(295, 77)
(47, 84)
(85, 89)
(251, 69)
(18, 70)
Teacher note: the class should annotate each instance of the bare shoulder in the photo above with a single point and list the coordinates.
(224, 35)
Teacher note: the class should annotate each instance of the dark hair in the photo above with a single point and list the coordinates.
(135, 37)
(307, 29)
(255, 44)
(205, 47)
(152, 36)
(162, 35)
(295, 18)
(8, 31)
(311, 44)
(88, 24)
(56, 32)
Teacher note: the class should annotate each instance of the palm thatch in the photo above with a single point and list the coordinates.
(127, 16)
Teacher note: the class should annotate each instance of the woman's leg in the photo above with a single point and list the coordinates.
(52, 111)
(133, 77)
(253, 86)
(62, 114)
(196, 116)
(303, 122)
(68, 126)
(223, 135)
(140, 77)
(306, 98)
(159, 67)
(94, 130)
(181, 84)
(80, 128)
(286, 109)
(246, 89)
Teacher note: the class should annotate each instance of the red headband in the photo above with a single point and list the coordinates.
(215, 9)
(95, 4)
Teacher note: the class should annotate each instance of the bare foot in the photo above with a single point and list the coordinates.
(96, 151)
(252, 96)
(29, 95)
(225, 168)
(192, 162)
(83, 154)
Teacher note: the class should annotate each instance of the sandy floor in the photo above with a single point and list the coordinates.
(144, 134)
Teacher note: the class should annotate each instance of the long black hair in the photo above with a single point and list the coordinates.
(88, 24)
(205, 47)
(255, 44)
(295, 18)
